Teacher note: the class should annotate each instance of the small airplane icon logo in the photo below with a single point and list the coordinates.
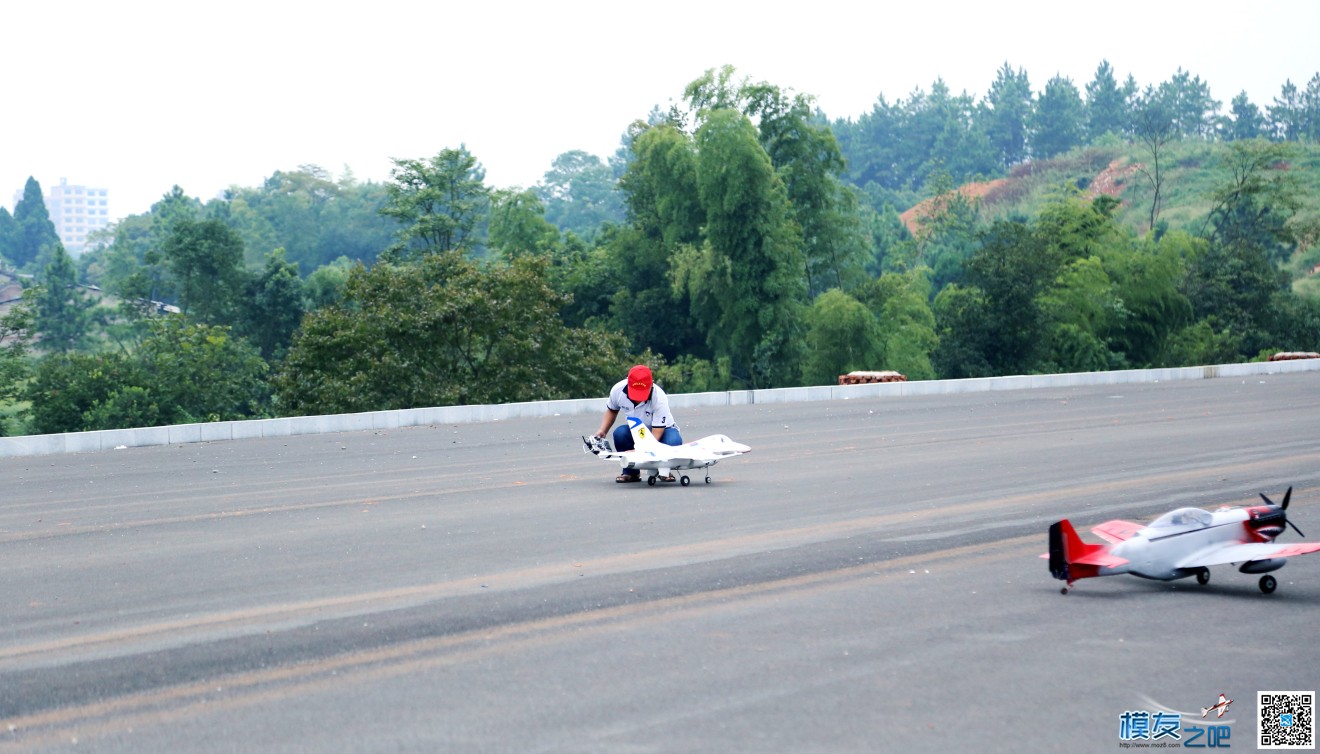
(1222, 706)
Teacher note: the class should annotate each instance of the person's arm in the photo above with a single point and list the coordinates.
(658, 432)
(608, 421)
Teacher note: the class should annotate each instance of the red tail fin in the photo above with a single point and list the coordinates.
(1071, 558)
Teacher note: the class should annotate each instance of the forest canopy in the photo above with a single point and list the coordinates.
(740, 239)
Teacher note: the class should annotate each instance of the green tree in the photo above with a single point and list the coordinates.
(182, 373)
(273, 306)
(1189, 103)
(9, 234)
(1256, 204)
(580, 194)
(748, 290)
(842, 335)
(63, 310)
(1057, 119)
(66, 387)
(1013, 267)
(1247, 121)
(665, 217)
(15, 336)
(199, 372)
(1147, 282)
(442, 331)
(901, 304)
(1154, 125)
(325, 286)
(36, 233)
(518, 225)
(205, 259)
(962, 324)
(441, 203)
(1006, 113)
(1106, 104)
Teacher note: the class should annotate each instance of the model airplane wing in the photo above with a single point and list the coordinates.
(1242, 553)
(1116, 531)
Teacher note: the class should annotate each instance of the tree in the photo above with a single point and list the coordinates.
(440, 202)
(746, 280)
(1007, 109)
(901, 305)
(1256, 203)
(518, 225)
(206, 261)
(198, 372)
(1012, 268)
(1153, 123)
(580, 194)
(1247, 122)
(9, 234)
(438, 332)
(273, 306)
(1189, 104)
(63, 312)
(183, 373)
(36, 233)
(842, 335)
(1287, 120)
(1057, 119)
(325, 286)
(665, 218)
(1106, 104)
(15, 336)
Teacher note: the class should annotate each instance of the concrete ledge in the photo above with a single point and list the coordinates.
(86, 442)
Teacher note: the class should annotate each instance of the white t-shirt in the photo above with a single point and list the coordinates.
(653, 412)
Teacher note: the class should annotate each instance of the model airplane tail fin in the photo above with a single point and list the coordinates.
(1059, 532)
(642, 437)
(1072, 559)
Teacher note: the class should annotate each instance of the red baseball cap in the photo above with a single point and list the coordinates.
(639, 383)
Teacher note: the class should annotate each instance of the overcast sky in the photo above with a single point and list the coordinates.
(138, 96)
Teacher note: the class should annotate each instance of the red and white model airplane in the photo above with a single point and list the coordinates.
(1222, 706)
(1181, 543)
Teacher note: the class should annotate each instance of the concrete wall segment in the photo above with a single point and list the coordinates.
(84, 442)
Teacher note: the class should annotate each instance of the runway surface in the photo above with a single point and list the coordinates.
(867, 579)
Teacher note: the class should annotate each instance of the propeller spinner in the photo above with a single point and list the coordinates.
(1287, 496)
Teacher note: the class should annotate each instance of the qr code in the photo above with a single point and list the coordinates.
(1287, 719)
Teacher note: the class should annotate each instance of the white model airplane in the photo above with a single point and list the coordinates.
(649, 454)
(1222, 706)
(1181, 543)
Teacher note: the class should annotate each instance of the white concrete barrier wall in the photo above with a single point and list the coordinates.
(88, 442)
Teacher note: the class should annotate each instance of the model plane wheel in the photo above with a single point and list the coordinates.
(1268, 584)
(683, 480)
(707, 480)
(1064, 590)
(650, 480)
(1203, 576)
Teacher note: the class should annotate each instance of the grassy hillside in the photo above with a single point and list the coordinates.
(1192, 170)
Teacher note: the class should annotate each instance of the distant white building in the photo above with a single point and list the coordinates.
(76, 211)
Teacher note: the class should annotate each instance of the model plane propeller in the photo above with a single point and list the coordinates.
(1181, 543)
(649, 454)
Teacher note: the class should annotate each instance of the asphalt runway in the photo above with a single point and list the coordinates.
(867, 579)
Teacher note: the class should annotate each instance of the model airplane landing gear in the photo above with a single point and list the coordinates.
(707, 479)
(1268, 584)
(1203, 576)
(650, 480)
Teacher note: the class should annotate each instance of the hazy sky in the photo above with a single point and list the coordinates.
(138, 96)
